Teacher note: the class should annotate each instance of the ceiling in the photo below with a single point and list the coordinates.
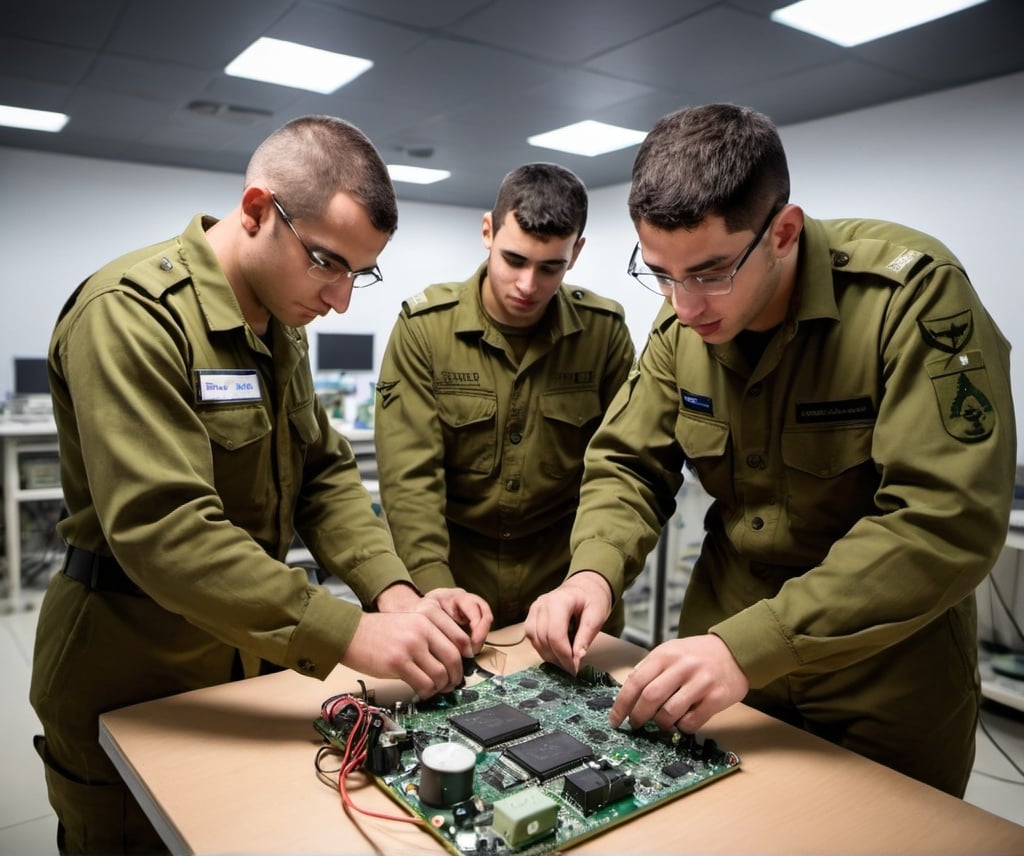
(456, 84)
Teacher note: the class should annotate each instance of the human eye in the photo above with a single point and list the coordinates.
(553, 269)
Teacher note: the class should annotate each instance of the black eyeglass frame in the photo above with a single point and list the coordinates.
(321, 268)
(665, 283)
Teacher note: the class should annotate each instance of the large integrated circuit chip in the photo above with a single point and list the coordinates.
(494, 725)
(549, 754)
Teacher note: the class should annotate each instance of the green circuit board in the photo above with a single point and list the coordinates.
(548, 772)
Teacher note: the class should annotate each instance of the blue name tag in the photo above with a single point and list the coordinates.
(698, 403)
(228, 385)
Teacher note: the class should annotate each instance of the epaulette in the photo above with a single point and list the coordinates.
(581, 297)
(432, 297)
(158, 273)
(884, 259)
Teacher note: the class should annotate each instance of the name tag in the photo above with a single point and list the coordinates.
(228, 385)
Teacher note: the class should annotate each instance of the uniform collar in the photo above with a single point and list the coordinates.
(560, 318)
(216, 297)
(814, 294)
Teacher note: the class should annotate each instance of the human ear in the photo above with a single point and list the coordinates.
(785, 231)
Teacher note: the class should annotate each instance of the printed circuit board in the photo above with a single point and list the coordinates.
(527, 763)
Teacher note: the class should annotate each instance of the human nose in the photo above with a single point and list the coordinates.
(687, 306)
(338, 295)
(526, 282)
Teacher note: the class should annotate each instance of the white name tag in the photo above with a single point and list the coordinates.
(228, 385)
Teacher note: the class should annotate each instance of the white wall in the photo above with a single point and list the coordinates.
(948, 163)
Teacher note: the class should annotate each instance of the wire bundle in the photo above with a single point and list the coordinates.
(361, 722)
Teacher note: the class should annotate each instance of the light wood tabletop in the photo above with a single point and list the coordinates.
(230, 769)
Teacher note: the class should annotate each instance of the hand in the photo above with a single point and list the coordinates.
(583, 602)
(681, 684)
(468, 610)
(423, 646)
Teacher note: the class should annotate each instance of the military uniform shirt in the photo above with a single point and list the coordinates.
(470, 442)
(861, 471)
(192, 454)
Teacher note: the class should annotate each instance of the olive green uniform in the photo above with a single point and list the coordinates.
(480, 455)
(862, 473)
(191, 453)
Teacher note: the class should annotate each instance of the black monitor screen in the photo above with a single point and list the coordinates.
(30, 376)
(344, 352)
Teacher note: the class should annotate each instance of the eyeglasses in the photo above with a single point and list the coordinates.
(707, 284)
(327, 266)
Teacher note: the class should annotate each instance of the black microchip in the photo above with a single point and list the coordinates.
(549, 754)
(677, 769)
(529, 683)
(600, 702)
(494, 725)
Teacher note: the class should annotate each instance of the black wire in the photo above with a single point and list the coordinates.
(1002, 751)
(1005, 606)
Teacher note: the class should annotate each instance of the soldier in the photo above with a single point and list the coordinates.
(192, 447)
(842, 394)
(489, 391)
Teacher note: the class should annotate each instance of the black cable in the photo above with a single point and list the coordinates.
(1006, 607)
(1002, 751)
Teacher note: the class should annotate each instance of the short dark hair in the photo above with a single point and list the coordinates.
(309, 160)
(716, 159)
(548, 200)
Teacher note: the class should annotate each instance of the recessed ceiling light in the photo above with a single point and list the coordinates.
(416, 174)
(588, 138)
(34, 120)
(852, 22)
(291, 64)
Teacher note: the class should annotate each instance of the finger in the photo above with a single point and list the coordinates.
(480, 627)
(448, 656)
(626, 698)
(589, 626)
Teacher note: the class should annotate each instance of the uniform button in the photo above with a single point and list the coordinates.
(840, 259)
(165, 263)
(755, 390)
(512, 484)
(515, 437)
(578, 294)
(755, 462)
(757, 524)
(307, 665)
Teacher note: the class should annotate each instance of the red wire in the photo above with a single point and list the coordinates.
(354, 757)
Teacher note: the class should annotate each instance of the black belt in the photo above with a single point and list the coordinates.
(99, 573)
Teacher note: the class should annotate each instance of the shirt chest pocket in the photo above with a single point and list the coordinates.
(241, 447)
(569, 419)
(708, 452)
(469, 426)
(823, 464)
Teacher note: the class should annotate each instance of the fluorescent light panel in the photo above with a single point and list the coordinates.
(853, 22)
(416, 174)
(588, 138)
(295, 65)
(33, 120)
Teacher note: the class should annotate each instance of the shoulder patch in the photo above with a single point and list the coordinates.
(949, 333)
(962, 392)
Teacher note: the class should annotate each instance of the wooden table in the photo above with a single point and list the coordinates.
(229, 769)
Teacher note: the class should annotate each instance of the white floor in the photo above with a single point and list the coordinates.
(28, 826)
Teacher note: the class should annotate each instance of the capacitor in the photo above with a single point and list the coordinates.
(446, 774)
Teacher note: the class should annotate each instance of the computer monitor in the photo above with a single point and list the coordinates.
(344, 352)
(30, 377)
